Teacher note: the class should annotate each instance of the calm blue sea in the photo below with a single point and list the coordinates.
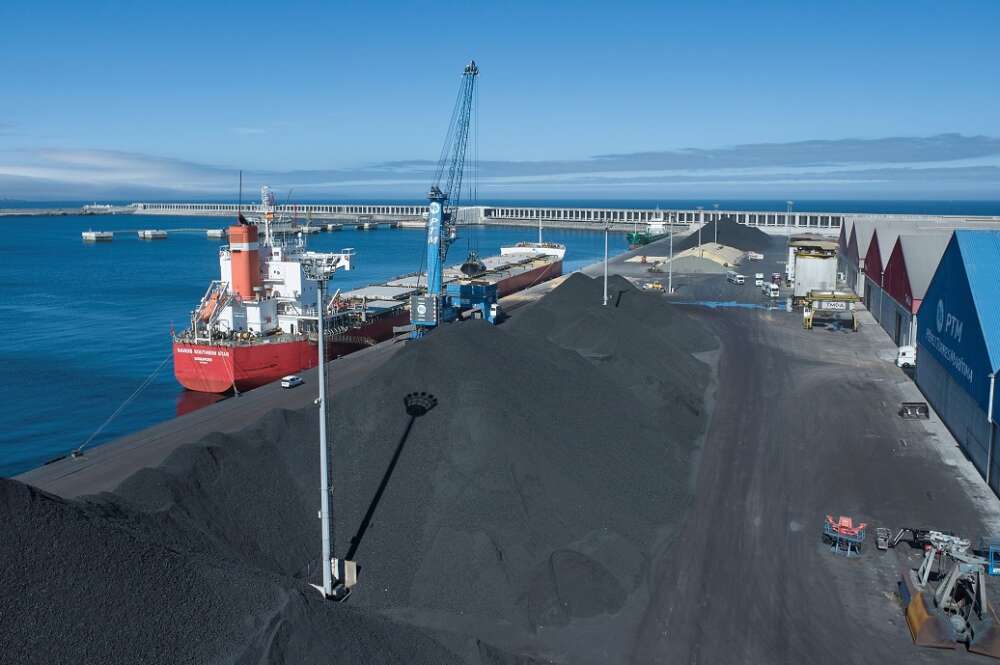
(87, 323)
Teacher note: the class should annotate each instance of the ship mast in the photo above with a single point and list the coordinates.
(267, 211)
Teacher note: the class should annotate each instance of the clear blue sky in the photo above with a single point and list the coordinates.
(298, 86)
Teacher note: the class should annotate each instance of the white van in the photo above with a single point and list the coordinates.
(771, 290)
(758, 279)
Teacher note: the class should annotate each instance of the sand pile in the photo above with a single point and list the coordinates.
(517, 523)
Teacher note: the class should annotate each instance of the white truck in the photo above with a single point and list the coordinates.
(735, 278)
(755, 256)
(758, 279)
(906, 356)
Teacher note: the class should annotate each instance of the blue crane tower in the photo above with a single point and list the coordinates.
(440, 304)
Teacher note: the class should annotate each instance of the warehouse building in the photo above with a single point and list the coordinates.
(880, 248)
(905, 279)
(857, 249)
(958, 345)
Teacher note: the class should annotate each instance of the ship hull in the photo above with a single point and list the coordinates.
(221, 367)
(529, 278)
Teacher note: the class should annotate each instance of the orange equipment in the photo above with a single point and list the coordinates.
(245, 260)
(209, 307)
(845, 537)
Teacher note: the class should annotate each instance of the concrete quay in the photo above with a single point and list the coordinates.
(775, 222)
(58, 212)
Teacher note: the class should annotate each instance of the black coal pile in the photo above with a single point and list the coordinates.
(526, 504)
(97, 582)
(513, 523)
(731, 234)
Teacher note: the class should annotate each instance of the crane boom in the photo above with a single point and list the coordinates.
(444, 199)
(457, 141)
(451, 165)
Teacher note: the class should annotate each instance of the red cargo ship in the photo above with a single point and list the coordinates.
(258, 322)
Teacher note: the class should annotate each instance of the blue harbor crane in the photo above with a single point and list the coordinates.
(442, 303)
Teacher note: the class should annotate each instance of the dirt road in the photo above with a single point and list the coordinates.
(805, 425)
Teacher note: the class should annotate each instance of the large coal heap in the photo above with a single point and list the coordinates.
(530, 498)
(731, 234)
(518, 517)
(97, 582)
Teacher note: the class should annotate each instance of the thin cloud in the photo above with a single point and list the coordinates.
(947, 163)
(249, 131)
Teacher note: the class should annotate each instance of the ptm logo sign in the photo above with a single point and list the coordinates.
(949, 323)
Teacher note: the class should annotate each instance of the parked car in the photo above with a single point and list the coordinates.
(291, 381)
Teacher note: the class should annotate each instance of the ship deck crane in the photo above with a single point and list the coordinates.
(441, 303)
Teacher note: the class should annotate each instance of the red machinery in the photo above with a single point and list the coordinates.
(844, 536)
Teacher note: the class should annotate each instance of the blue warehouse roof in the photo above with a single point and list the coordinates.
(980, 252)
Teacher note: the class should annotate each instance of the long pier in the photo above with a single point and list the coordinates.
(62, 212)
(773, 221)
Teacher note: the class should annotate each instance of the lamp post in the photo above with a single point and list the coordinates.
(701, 223)
(670, 265)
(605, 302)
(716, 223)
(321, 274)
(320, 269)
(701, 251)
(989, 422)
(789, 264)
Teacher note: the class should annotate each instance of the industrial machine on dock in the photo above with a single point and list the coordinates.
(945, 598)
(830, 305)
(443, 303)
(475, 291)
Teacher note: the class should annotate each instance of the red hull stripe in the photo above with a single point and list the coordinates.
(217, 368)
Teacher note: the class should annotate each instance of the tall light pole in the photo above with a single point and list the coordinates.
(321, 275)
(605, 263)
(670, 265)
(701, 251)
(716, 223)
(320, 268)
(789, 265)
(701, 223)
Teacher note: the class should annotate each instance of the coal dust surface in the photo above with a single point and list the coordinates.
(514, 522)
(731, 234)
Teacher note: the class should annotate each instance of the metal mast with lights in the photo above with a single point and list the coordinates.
(320, 268)
(790, 260)
(716, 205)
(606, 227)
